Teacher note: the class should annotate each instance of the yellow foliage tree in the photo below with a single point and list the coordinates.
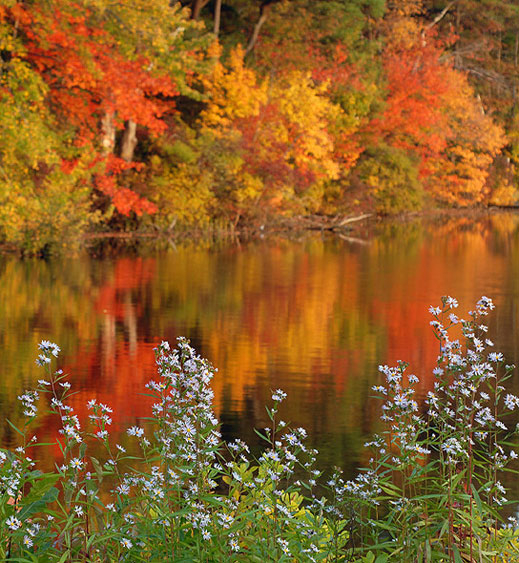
(277, 131)
(40, 204)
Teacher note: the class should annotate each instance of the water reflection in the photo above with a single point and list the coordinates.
(313, 316)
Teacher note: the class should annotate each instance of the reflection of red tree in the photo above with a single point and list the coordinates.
(128, 274)
(125, 363)
(123, 384)
(462, 265)
(115, 370)
(120, 384)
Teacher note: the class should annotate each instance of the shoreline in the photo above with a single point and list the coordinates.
(359, 226)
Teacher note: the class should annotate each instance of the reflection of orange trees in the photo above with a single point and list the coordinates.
(302, 317)
(314, 318)
(123, 375)
(117, 381)
(459, 261)
(62, 301)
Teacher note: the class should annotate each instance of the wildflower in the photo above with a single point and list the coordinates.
(234, 545)
(78, 510)
(511, 401)
(279, 395)
(451, 302)
(495, 357)
(284, 546)
(125, 542)
(163, 522)
(123, 489)
(13, 523)
(157, 492)
(27, 541)
(225, 520)
(42, 360)
(129, 518)
(512, 524)
(45, 346)
(135, 431)
(34, 529)
(76, 463)
(452, 447)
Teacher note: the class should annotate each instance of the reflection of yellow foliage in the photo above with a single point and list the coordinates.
(505, 223)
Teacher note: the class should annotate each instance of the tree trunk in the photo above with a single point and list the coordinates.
(196, 8)
(217, 16)
(263, 14)
(108, 131)
(129, 140)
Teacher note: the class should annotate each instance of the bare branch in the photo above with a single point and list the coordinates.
(440, 16)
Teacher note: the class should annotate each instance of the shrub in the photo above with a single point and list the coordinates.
(392, 177)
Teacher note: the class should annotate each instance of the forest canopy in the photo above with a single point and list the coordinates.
(173, 115)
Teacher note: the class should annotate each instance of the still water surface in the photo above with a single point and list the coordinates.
(313, 316)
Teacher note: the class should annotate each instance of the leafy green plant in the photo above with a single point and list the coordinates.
(392, 177)
(432, 491)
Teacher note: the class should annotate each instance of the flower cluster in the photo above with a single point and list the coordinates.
(432, 482)
(441, 460)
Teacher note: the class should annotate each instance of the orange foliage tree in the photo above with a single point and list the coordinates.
(432, 114)
(93, 88)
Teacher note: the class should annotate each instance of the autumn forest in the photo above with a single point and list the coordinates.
(165, 116)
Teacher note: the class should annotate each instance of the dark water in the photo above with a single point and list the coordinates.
(313, 316)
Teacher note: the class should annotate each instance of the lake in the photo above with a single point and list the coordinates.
(313, 314)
